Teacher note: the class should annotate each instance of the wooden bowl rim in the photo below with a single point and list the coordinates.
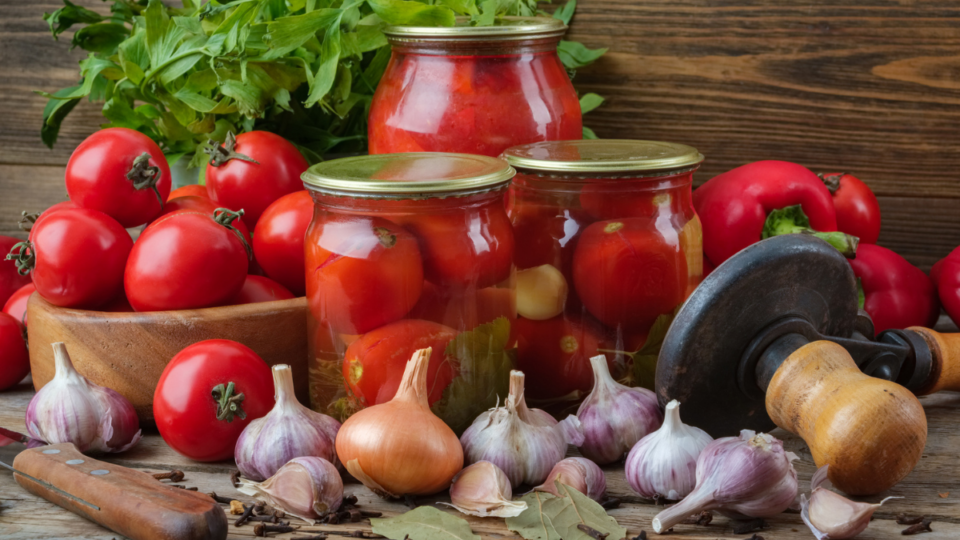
(211, 313)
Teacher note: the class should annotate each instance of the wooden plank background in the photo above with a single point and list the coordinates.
(867, 86)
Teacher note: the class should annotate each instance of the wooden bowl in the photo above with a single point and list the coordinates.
(128, 351)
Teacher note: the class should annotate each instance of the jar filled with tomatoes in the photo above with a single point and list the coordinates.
(405, 252)
(474, 89)
(608, 245)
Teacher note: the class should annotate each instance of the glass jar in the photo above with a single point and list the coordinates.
(408, 251)
(474, 89)
(608, 246)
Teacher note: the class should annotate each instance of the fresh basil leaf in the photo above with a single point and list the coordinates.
(56, 109)
(133, 52)
(407, 12)
(187, 55)
(286, 34)
(162, 36)
(575, 55)
(249, 99)
(589, 102)
(327, 70)
(195, 100)
(90, 68)
(461, 7)
(102, 38)
(589, 134)
(191, 25)
(565, 12)
(69, 15)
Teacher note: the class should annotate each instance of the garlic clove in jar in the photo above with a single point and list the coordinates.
(831, 516)
(579, 473)
(306, 487)
(541, 292)
(483, 490)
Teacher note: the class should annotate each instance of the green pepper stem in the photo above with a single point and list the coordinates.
(792, 220)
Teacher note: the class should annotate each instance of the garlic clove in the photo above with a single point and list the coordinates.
(831, 516)
(306, 487)
(541, 292)
(483, 490)
(579, 473)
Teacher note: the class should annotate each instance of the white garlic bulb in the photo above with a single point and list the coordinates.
(483, 490)
(664, 463)
(306, 487)
(579, 473)
(831, 516)
(541, 292)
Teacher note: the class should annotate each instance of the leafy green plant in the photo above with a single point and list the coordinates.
(305, 69)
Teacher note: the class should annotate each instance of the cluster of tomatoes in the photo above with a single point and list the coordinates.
(195, 251)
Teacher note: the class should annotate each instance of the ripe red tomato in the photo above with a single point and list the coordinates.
(50, 211)
(16, 305)
(10, 280)
(238, 183)
(373, 365)
(278, 240)
(191, 402)
(362, 272)
(120, 172)
(858, 212)
(555, 355)
(79, 257)
(464, 309)
(14, 359)
(192, 203)
(472, 249)
(190, 190)
(627, 273)
(186, 260)
(260, 289)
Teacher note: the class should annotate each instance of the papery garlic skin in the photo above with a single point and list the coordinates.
(579, 473)
(614, 416)
(831, 516)
(483, 490)
(541, 292)
(71, 409)
(746, 476)
(306, 487)
(288, 431)
(664, 463)
(524, 443)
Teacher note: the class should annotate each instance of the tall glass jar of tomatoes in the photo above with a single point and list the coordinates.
(608, 246)
(474, 89)
(405, 252)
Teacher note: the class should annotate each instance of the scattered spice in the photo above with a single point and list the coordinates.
(703, 519)
(744, 527)
(944, 495)
(411, 501)
(641, 536)
(922, 527)
(218, 499)
(261, 529)
(610, 503)
(179, 486)
(349, 534)
(247, 513)
(173, 476)
(236, 507)
(235, 478)
(659, 500)
(903, 519)
(347, 513)
(592, 533)
(755, 537)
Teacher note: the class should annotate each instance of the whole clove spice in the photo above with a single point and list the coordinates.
(235, 478)
(218, 499)
(745, 527)
(755, 537)
(703, 519)
(247, 513)
(262, 529)
(641, 536)
(610, 503)
(903, 519)
(592, 533)
(173, 476)
(922, 527)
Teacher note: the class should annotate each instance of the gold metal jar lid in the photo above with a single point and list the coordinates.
(506, 29)
(409, 175)
(603, 156)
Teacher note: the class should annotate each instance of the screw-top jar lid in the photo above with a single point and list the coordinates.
(505, 29)
(603, 156)
(409, 175)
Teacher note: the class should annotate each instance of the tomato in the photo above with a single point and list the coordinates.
(547, 234)
(373, 365)
(117, 305)
(14, 359)
(79, 257)
(186, 260)
(555, 355)
(37, 218)
(605, 199)
(627, 272)
(362, 272)
(858, 212)
(190, 190)
(464, 309)
(278, 240)
(238, 183)
(464, 249)
(120, 172)
(260, 289)
(186, 408)
(192, 203)
(10, 280)
(16, 305)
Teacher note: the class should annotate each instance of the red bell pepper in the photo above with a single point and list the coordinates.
(897, 293)
(946, 275)
(734, 206)
(858, 212)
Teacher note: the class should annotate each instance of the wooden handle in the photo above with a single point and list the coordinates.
(945, 372)
(871, 432)
(131, 503)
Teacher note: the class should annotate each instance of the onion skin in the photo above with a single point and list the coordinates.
(400, 447)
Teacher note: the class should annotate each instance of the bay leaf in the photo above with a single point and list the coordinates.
(533, 524)
(575, 508)
(424, 523)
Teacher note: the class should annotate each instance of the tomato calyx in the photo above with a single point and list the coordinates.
(221, 154)
(387, 239)
(24, 256)
(226, 217)
(145, 176)
(27, 220)
(832, 181)
(229, 404)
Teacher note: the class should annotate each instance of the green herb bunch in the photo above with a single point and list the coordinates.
(305, 69)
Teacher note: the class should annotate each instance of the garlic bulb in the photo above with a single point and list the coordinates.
(307, 487)
(541, 292)
(664, 463)
(831, 516)
(579, 473)
(483, 490)
(71, 409)
(400, 447)
(614, 416)
(745, 476)
(288, 431)
(524, 443)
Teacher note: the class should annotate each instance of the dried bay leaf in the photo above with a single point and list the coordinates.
(554, 518)
(424, 523)
(533, 524)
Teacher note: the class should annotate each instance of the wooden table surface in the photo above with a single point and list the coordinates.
(932, 489)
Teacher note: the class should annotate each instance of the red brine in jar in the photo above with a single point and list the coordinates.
(476, 90)
(409, 251)
(608, 245)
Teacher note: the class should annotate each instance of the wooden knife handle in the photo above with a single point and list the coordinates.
(131, 503)
(945, 372)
